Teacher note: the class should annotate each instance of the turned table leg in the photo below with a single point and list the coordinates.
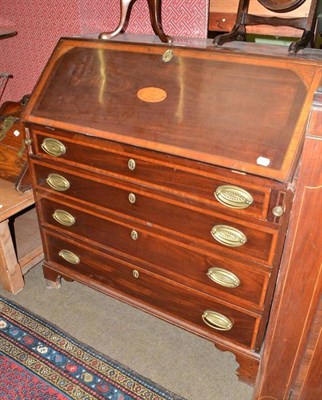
(125, 8)
(10, 271)
(155, 16)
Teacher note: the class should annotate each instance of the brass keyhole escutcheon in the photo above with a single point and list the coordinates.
(134, 235)
(131, 164)
(167, 55)
(136, 274)
(132, 198)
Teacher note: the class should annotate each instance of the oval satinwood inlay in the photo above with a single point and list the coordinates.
(152, 94)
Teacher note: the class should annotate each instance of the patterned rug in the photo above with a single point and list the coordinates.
(39, 361)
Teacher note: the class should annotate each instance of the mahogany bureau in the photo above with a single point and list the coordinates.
(164, 176)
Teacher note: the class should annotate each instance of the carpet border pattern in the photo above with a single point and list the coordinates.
(132, 385)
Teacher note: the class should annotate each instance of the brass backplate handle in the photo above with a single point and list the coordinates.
(53, 147)
(228, 236)
(233, 197)
(217, 321)
(69, 256)
(58, 182)
(223, 277)
(64, 218)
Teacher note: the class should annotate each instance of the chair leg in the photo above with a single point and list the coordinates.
(126, 6)
(237, 33)
(155, 16)
(306, 39)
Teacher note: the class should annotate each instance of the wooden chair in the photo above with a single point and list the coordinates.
(244, 19)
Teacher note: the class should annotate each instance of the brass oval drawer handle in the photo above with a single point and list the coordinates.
(58, 182)
(217, 321)
(131, 164)
(64, 218)
(228, 236)
(69, 256)
(53, 147)
(233, 197)
(132, 198)
(223, 277)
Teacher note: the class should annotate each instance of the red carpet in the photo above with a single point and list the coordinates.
(40, 362)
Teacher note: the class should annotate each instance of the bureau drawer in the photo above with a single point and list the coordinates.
(221, 189)
(182, 304)
(214, 275)
(228, 235)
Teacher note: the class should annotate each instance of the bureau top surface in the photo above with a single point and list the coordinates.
(241, 111)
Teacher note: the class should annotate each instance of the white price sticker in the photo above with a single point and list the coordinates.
(263, 161)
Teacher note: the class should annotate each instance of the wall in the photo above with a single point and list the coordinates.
(40, 23)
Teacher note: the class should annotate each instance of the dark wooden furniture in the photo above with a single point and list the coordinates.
(291, 366)
(222, 18)
(244, 19)
(172, 191)
(13, 154)
(155, 17)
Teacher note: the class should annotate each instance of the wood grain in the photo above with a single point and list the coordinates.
(299, 289)
(184, 125)
(170, 174)
(166, 296)
(164, 257)
(155, 211)
(221, 126)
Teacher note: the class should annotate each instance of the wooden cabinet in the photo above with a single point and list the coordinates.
(164, 176)
(222, 17)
